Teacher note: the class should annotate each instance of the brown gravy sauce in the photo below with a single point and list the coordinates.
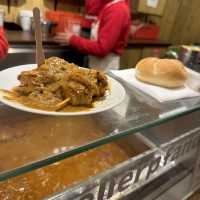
(45, 181)
(28, 103)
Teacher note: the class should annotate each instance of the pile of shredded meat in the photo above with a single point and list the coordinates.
(58, 83)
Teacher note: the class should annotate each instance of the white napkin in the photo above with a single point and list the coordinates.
(159, 93)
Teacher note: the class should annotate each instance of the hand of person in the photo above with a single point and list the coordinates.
(63, 38)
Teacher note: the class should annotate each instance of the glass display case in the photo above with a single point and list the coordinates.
(141, 149)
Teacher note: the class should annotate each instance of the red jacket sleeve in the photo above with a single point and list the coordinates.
(111, 26)
(3, 44)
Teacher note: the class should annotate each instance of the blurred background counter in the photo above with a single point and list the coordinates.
(22, 50)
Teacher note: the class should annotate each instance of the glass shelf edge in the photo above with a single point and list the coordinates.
(52, 159)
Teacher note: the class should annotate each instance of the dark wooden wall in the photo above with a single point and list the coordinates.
(180, 23)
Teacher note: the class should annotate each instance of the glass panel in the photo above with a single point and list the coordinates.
(172, 163)
(61, 175)
(29, 141)
(176, 128)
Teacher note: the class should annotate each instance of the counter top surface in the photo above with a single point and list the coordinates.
(20, 37)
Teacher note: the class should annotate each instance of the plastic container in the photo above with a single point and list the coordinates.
(25, 19)
(147, 32)
(66, 21)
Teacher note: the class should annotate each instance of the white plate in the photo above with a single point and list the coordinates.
(8, 80)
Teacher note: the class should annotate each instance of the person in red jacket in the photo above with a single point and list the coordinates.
(93, 7)
(92, 10)
(3, 44)
(108, 38)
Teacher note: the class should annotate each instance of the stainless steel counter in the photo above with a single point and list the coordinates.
(22, 49)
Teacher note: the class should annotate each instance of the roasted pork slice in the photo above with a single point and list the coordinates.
(25, 90)
(56, 65)
(58, 81)
(79, 94)
(35, 77)
(46, 100)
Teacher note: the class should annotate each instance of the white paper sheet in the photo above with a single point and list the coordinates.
(159, 93)
(152, 3)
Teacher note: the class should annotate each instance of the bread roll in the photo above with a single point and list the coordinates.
(168, 73)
